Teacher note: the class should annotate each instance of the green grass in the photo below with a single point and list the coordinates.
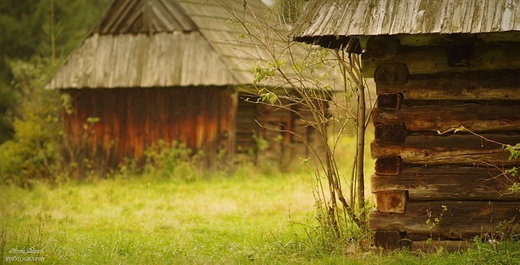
(248, 218)
(145, 221)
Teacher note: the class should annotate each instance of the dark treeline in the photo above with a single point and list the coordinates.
(32, 30)
(35, 37)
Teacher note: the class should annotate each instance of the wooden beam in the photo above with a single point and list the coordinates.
(452, 149)
(460, 219)
(444, 39)
(434, 59)
(449, 183)
(437, 117)
(390, 133)
(494, 85)
(418, 61)
(391, 74)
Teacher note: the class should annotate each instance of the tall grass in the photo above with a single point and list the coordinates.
(144, 221)
(159, 218)
(244, 219)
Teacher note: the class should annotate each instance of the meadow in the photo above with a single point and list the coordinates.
(250, 217)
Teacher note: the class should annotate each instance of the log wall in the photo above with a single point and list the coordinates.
(431, 181)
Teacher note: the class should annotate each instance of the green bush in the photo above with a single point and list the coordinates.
(35, 150)
(172, 161)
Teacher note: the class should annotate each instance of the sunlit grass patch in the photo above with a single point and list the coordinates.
(145, 221)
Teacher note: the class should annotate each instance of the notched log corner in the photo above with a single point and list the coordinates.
(383, 47)
(389, 101)
(388, 166)
(393, 201)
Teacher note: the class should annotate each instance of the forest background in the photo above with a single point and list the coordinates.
(38, 33)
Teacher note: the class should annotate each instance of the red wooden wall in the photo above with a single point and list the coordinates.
(131, 119)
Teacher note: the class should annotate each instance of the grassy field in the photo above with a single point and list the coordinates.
(226, 220)
(248, 218)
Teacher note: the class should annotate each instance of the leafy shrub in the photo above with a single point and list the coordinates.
(35, 151)
(172, 161)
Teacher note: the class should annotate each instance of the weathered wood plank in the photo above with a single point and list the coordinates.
(390, 133)
(452, 149)
(496, 85)
(461, 219)
(162, 59)
(368, 17)
(475, 117)
(448, 183)
(434, 60)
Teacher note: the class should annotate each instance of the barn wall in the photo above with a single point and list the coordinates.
(285, 133)
(130, 120)
(424, 168)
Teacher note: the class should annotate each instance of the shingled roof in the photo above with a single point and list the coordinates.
(161, 43)
(387, 17)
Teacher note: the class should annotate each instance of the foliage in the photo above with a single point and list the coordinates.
(38, 28)
(433, 221)
(34, 36)
(173, 161)
(35, 151)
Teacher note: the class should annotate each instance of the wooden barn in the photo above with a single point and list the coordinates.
(439, 67)
(171, 70)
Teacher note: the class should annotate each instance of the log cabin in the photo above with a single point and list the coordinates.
(447, 76)
(172, 71)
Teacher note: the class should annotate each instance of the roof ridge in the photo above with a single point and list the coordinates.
(144, 16)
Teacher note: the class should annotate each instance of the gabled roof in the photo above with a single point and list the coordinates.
(162, 43)
(144, 16)
(381, 17)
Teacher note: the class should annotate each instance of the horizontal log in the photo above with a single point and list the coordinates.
(496, 85)
(391, 240)
(443, 39)
(452, 149)
(448, 183)
(390, 133)
(434, 59)
(391, 74)
(475, 117)
(422, 61)
(437, 245)
(459, 219)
